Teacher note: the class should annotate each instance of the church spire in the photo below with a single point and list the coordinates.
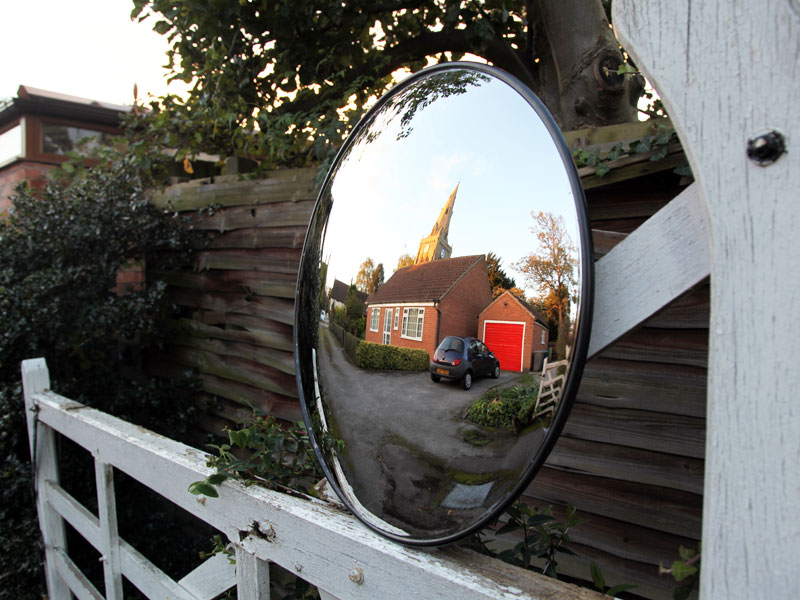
(435, 246)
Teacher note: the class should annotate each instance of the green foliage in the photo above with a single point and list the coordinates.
(298, 73)
(383, 357)
(543, 537)
(599, 581)
(656, 143)
(265, 451)
(60, 252)
(685, 571)
(510, 406)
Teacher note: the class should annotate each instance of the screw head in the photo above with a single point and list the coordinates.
(765, 148)
(356, 576)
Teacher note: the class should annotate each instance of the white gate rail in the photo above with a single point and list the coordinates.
(322, 544)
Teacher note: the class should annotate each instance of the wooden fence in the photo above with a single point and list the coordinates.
(672, 435)
(631, 457)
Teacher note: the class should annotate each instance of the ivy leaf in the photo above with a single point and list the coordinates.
(602, 169)
(623, 587)
(597, 576)
(681, 570)
(203, 488)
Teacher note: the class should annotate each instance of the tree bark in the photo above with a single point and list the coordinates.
(578, 58)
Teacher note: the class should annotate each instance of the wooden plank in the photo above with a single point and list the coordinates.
(619, 539)
(267, 260)
(147, 578)
(693, 53)
(654, 387)
(248, 322)
(280, 285)
(282, 214)
(629, 464)
(236, 369)
(252, 576)
(668, 346)
(264, 237)
(278, 527)
(291, 185)
(109, 538)
(75, 580)
(604, 138)
(663, 509)
(669, 254)
(267, 334)
(42, 444)
(631, 167)
(277, 359)
(604, 241)
(210, 579)
(661, 432)
(276, 309)
(690, 311)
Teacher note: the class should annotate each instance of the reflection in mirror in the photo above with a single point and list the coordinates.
(443, 304)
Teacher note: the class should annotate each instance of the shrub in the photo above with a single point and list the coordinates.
(60, 252)
(382, 357)
(506, 407)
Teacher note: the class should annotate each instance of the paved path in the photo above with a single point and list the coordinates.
(405, 451)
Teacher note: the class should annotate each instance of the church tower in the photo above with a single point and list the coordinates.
(435, 246)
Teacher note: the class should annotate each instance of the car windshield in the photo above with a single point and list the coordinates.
(452, 343)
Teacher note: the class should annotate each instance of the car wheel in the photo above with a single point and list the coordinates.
(496, 371)
(436, 378)
(466, 383)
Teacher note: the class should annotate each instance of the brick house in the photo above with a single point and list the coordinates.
(514, 331)
(419, 305)
(38, 128)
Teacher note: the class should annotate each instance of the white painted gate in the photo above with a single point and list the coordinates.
(727, 72)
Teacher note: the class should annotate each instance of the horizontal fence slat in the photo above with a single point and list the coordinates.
(664, 509)
(675, 389)
(210, 579)
(320, 541)
(629, 464)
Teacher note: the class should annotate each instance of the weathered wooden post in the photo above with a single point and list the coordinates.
(729, 76)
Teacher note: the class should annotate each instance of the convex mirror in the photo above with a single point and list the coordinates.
(443, 304)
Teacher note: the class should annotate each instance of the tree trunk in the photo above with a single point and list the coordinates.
(578, 59)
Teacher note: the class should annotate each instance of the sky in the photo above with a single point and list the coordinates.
(85, 48)
(388, 193)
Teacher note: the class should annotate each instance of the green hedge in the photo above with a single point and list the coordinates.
(497, 407)
(382, 357)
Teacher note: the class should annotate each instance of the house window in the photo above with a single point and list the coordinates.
(60, 139)
(11, 146)
(373, 319)
(542, 336)
(412, 323)
(396, 317)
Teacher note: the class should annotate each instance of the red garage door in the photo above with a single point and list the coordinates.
(505, 339)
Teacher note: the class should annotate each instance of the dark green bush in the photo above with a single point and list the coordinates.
(60, 252)
(505, 407)
(382, 357)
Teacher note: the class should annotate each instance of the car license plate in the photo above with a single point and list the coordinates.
(443, 371)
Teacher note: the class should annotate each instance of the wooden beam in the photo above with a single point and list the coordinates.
(727, 73)
(277, 527)
(658, 262)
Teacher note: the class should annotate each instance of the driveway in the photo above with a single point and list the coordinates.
(408, 449)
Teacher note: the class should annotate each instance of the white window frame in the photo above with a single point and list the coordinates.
(374, 318)
(397, 317)
(420, 322)
(386, 338)
(543, 332)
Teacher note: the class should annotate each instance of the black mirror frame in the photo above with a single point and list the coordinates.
(583, 320)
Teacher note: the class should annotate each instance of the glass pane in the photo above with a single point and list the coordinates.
(11, 144)
(60, 139)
